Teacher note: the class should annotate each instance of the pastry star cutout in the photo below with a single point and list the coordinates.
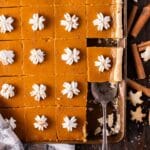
(135, 98)
(137, 115)
(146, 54)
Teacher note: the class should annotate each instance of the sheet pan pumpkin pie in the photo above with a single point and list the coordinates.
(45, 65)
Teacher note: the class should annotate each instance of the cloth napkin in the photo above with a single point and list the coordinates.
(9, 141)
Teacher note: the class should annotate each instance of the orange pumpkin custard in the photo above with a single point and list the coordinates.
(68, 2)
(13, 30)
(66, 47)
(11, 92)
(9, 3)
(62, 16)
(112, 16)
(105, 64)
(45, 29)
(36, 2)
(41, 124)
(102, 2)
(71, 90)
(47, 85)
(13, 65)
(75, 116)
(38, 55)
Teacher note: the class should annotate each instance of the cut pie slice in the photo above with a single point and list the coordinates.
(71, 90)
(70, 56)
(104, 21)
(40, 124)
(12, 91)
(39, 90)
(38, 57)
(44, 28)
(104, 64)
(11, 29)
(11, 64)
(71, 123)
(66, 29)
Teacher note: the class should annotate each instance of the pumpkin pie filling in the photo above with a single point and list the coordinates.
(9, 3)
(45, 64)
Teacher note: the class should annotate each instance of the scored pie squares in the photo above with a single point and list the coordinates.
(47, 90)
(104, 64)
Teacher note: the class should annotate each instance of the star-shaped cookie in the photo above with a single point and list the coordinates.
(135, 98)
(146, 54)
(137, 115)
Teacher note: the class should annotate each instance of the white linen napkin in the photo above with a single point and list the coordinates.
(9, 141)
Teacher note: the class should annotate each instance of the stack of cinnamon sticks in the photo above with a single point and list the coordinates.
(134, 30)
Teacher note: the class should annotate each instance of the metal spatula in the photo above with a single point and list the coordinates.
(103, 94)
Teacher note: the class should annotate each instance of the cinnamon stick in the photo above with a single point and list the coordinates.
(132, 17)
(142, 46)
(144, 17)
(138, 87)
(138, 62)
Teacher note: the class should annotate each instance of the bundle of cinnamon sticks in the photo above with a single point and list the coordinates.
(134, 30)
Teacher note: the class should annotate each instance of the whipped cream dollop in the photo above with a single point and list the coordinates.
(7, 57)
(7, 91)
(36, 56)
(135, 1)
(70, 22)
(71, 56)
(146, 54)
(70, 89)
(38, 92)
(40, 123)
(37, 22)
(11, 122)
(103, 63)
(70, 123)
(6, 24)
(102, 22)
